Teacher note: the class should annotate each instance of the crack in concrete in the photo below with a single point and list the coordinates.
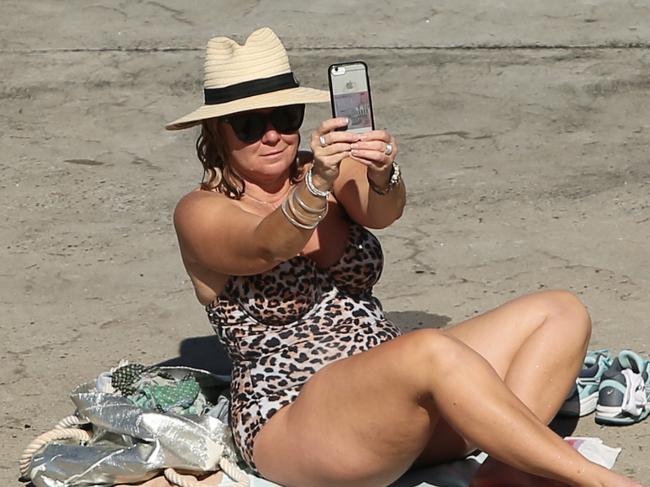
(451, 47)
(176, 14)
(416, 251)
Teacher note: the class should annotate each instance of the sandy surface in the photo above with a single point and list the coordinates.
(523, 129)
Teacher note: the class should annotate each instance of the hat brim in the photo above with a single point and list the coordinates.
(291, 96)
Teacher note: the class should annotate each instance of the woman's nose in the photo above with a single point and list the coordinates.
(271, 135)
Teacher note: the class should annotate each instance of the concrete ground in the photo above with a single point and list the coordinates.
(523, 128)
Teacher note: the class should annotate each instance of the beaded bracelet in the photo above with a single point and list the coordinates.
(395, 178)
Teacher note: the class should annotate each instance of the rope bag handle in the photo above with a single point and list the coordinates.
(64, 430)
(230, 469)
(68, 429)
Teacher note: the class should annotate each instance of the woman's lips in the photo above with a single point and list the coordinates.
(271, 155)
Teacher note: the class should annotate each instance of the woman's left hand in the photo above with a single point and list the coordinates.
(377, 150)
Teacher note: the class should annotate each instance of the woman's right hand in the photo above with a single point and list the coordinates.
(328, 157)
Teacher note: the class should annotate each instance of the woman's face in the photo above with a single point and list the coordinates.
(265, 160)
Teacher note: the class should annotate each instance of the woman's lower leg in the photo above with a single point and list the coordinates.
(500, 423)
(545, 366)
(535, 343)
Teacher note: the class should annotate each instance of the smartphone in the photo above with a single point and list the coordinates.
(350, 95)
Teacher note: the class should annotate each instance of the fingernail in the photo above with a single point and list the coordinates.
(353, 152)
(354, 146)
(347, 121)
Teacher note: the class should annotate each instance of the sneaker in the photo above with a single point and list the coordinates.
(624, 395)
(583, 397)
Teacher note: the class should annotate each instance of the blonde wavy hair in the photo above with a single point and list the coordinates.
(212, 151)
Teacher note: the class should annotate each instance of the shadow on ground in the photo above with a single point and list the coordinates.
(202, 353)
(414, 320)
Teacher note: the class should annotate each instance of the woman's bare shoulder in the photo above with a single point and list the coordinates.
(201, 205)
(201, 197)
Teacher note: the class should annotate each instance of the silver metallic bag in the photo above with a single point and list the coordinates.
(127, 443)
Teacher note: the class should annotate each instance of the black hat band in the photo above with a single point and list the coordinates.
(214, 96)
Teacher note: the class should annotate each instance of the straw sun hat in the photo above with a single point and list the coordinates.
(239, 78)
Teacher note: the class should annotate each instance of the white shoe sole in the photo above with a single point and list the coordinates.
(586, 406)
(615, 415)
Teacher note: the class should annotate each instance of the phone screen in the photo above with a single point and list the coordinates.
(351, 95)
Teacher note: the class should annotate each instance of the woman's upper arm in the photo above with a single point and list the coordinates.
(216, 234)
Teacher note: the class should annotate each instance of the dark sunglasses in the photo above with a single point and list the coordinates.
(251, 126)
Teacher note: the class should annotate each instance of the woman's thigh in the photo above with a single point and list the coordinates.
(358, 421)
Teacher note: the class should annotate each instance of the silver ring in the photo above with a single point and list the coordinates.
(323, 142)
(389, 149)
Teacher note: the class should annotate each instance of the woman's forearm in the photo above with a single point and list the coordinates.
(384, 209)
(280, 239)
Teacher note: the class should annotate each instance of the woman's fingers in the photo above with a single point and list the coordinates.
(378, 140)
(331, 146)
(378, 152)
(376, 145)
(332, 143)
(381, 135)
(331, 149)
(331, 138)
(376, 149)
(375, 157)
(332, 124)
(330, 152)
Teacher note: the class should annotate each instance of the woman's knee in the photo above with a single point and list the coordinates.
(429, 350)
(563, 311)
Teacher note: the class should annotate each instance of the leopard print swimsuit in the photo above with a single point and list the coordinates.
(281, 326)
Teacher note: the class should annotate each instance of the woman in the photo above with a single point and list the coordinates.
(325, 390)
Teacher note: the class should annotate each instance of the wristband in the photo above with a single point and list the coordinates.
(395, 178)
